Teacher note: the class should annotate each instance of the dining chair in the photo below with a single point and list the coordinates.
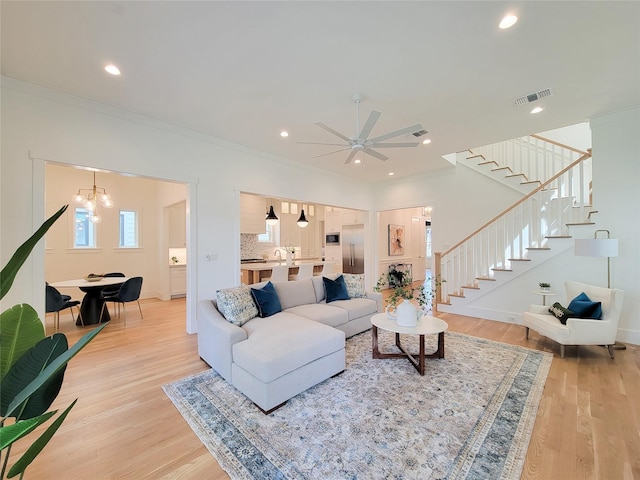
(304, 271)
(56, 302)
(111, 289)
(280, 273)
(128, 292)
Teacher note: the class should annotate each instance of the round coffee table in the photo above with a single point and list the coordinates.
(427, 325)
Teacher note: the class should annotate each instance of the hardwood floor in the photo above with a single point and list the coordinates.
(124, 426)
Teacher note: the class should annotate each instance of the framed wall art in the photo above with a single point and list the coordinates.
(396, 239)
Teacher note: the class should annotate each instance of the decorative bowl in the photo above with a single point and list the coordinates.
(93, 279)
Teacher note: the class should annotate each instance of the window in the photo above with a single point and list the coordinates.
(270, 233)
(84, 230)
(128, 229)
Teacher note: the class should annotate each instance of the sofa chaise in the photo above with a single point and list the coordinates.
(272, 359)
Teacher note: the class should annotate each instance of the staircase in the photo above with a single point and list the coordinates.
(537, 227)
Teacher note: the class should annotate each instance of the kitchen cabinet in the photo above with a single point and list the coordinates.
(178, 225)
(178, 280)
(333, 254)
(309, 239)
(333, 221)
(253, 211)
(354, 217)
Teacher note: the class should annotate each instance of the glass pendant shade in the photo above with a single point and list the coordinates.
(272, 219)
(302, 221)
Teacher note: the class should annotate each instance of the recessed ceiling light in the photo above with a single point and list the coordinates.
(537, 110)
(112, 69)
(284, 134)
(426, 141)
(390, 173)
(508, 21)
(357, 160)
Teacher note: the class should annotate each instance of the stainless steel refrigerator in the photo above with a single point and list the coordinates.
(353, 248)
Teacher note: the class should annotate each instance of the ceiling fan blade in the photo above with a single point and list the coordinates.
(395, 145)
(397, 133)
(371, 121)
(350, 157)
(320, 143)
(329, 153)
(373, 153)
(331, 130)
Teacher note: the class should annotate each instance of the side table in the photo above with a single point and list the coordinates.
(544, 295)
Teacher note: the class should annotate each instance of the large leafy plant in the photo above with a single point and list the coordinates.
(31, 367)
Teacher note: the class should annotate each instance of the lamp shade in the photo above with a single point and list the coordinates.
(596, 247)
(302, 221)
(272, 219)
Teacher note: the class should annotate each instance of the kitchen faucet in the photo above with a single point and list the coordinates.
(278, 254)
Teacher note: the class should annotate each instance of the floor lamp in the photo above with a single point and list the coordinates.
(600, 247)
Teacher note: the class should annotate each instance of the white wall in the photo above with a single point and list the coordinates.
(616, 194)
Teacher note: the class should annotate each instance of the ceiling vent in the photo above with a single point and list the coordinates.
(419, 133)
(532, 97)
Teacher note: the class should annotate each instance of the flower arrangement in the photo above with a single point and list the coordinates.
(403, 288)
(290, 248)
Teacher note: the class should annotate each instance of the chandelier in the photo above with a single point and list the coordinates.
(89, 200)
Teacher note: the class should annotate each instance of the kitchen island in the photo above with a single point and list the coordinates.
(256, 272)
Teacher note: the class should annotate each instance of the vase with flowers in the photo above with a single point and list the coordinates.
(290, 251)
(401, 301)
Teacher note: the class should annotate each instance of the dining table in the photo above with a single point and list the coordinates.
(92, 302)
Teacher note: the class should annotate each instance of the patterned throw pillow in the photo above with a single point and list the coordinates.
(355, 285)
(236, 304)
(561, 313)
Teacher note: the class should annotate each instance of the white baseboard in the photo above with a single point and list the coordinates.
(629, 336)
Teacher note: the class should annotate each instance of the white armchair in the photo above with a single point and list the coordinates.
(579, 331)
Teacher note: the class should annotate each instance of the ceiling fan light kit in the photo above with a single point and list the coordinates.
(361, 142)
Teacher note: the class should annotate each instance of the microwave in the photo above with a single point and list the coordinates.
(332, 238)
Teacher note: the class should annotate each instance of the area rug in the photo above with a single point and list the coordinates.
(470, 416)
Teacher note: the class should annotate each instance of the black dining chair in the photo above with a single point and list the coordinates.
(56, 302)
(112, 289)
(129, 292)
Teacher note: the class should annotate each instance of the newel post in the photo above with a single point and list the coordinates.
(435, 279)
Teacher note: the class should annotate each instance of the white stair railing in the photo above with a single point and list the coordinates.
(534, 156)
(528, 224)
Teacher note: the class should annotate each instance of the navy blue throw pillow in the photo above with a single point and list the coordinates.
(583, 307)
(335, 289)
(266, 299)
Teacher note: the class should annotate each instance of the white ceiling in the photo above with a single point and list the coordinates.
(243, 71)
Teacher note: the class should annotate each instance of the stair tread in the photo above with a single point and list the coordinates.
(487, 163)
(488, 279)
(519, 259)
(472, 287)
(579, 223)
(501, 168)
(558, 236)
(475, 156)
(516, 175)
(457, 295)
(502, 270)
(538, 248)
(531, 181)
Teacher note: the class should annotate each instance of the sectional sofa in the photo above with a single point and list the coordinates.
(274, 358)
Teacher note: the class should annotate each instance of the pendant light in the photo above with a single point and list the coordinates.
(272, 219)
(89, 200)
(302, 221)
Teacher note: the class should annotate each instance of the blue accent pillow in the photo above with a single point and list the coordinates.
(335, 289)
(583, 307)
(266, 299)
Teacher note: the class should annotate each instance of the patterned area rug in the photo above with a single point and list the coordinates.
(470, 416)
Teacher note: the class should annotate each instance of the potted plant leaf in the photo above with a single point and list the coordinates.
(31, 367)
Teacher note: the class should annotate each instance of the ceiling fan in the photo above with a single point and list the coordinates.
(361, 142)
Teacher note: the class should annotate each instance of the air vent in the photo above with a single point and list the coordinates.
(532, 97)
(419, 133)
